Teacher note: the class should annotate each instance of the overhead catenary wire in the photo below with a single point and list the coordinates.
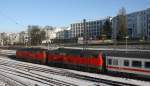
(11, 19)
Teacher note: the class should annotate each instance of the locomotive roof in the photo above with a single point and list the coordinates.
(32, 49)
(74, 51)
(129, 54)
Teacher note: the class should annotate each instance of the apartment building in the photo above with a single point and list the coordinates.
(92, 28)
(63, 33)
(138, 24)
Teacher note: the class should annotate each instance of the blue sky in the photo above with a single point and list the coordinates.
(16, 15)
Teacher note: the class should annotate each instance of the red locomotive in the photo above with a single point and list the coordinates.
(32, 54)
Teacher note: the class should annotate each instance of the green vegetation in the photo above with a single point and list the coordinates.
(106, 30)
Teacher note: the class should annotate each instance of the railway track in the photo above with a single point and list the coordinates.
(10, 81)
(35, 77)
(8, 68)
(31, 68)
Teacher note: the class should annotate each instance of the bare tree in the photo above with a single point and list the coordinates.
(36, 35)
(122, 24)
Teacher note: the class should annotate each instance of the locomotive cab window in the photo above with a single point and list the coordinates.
(136, 64)
(147, 64)
(126, 62)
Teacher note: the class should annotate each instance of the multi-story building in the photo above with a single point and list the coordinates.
(50, 32)
(0, 41)
(148, 23)
(138, 24)
(115, 27)
(63, 33)
(92, 28)
(9, 38)
(13, 38)
(4, 38)
(23, 37)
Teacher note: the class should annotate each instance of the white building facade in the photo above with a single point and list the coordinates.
(138, 24)
(13, 38)
(51, 33)
(9, 38)
(23, 37)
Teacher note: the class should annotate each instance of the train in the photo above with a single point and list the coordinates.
(101, 61)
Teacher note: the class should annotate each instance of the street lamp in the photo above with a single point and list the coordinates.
(126, 42)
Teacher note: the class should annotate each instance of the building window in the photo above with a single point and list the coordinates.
(133, 25)
(115, 62)
(126, 62)
(136, 63)
(147, 64)
(144, 24)
(110, 61)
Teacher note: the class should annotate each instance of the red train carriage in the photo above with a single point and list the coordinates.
(77, 58)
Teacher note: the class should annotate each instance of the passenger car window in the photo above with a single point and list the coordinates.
(136, 63)
(115, 62)
(147, 65)
(126, 62)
